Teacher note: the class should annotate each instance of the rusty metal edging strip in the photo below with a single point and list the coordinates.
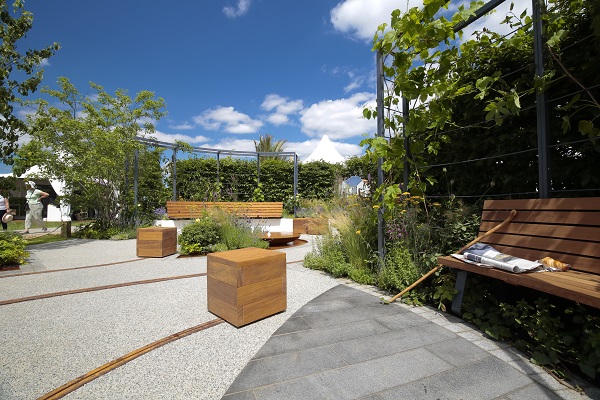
(70, 269)
(76, 383)
(96, 288)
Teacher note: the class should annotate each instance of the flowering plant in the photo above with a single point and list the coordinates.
(160, 213)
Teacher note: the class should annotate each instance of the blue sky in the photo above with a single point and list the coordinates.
(228, 70)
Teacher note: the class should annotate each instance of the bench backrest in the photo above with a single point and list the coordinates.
(194, 209)
(567, 230)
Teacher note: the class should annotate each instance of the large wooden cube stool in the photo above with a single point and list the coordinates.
(156, 241)
(246, 285)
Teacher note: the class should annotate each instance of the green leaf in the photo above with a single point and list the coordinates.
(586, 127)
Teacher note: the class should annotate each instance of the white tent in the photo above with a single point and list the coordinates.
(325, 152)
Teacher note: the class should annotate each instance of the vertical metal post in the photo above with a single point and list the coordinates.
(295, 181)
(174, 161)
(380, 133)
(218, 167)
(407, 153)
(258, 169)
(543, 122)
(135, 185)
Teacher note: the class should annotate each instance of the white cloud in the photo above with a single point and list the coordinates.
(355, 83)
(339, 118)
(234, 144)
(240, 9)
(281, 108)
(228, 120)
(360, 18)
(183, 127)
(172, 137)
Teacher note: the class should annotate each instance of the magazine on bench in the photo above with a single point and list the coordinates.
(486, 256)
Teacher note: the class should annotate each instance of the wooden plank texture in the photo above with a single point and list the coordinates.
(194, 209)
(246, 285)
(564, 229)
(156, 241)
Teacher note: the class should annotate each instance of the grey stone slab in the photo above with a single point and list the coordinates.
(324, 306)
(402, 320)
(337, 292)
(319, 337)
(247, 395)
(485, 379)
(386, 343)
(270, 370)
(532, 391)
(294, 324)
(358, 380)
(344, 316)
(458, 351)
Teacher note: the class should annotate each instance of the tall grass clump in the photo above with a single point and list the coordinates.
(237, 233)
(350, 248)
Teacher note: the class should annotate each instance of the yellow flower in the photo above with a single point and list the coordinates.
(436, 204)
(375, 207)
(197, 219)
(358, 232)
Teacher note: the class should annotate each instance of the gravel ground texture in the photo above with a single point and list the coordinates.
(48, 342)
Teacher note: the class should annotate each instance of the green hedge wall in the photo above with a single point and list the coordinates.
(197, 179)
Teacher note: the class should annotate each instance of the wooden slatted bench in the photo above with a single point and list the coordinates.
(194, 209)
(567, 230)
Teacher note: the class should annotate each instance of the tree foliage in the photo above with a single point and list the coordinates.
(89, 143)
(475, 99)
(20, 74)
(268, 144)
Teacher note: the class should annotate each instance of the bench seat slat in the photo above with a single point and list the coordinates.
(579, 263)
(545, 245)
(567, 230)
(571, 232)
(584, 218)
(555, 283)
(194, 209)
(569, 204)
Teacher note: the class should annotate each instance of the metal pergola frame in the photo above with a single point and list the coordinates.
(205, 150)
(543, 126)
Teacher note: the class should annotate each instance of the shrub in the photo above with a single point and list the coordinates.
(328, 256)
(199, 237)
(558, 334)
(12, 249)
(398, 271)
(102, 231)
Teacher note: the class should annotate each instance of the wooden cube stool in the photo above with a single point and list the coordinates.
(156, 241)
(246, 285)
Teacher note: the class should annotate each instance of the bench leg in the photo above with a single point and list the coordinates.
(461, 281)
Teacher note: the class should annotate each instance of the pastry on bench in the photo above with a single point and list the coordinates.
(554, 264)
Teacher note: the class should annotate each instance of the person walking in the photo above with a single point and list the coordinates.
(4, 206)
(35, 206)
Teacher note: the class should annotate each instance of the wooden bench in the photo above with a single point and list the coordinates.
(194, 209)
(567, 230)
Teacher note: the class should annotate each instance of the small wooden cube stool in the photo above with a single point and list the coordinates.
(246, 285)
(156, 241)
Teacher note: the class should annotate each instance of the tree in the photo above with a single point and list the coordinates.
(267, 144)
(88, 141)
(20, 74)
(476, 99)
